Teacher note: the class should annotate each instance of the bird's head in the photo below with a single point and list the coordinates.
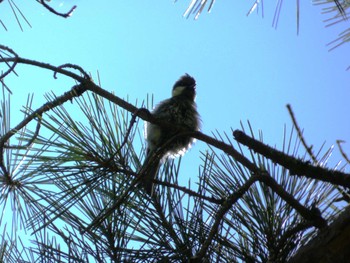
(185, 86)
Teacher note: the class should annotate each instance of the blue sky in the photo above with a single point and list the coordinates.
(245, 69)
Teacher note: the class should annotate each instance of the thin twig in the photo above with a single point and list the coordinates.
(73, 66)
(5, 86)
(189, 192)
(65, 15)
(55, 69)
(7, 60)
(309, 149)
(300, 135)
(342, 151)
(35, 135)
(131, 124)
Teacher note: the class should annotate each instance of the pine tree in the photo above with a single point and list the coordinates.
(69, 189)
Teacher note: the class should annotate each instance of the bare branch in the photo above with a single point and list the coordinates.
(300, 135)
(132, 122)
(5, 86)
(6, 60)
(189, 192)
(55, 69)
(295, 166)
(342, 151)
(65, 15)
(69, 65)
(35, 135)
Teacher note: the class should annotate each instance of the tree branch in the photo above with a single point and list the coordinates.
(313, 215)
(35, 135)
(190, 192)
(65, 15)
(342, 151)
(11, 68)
(143, 114)
(227, 205)
(300, 135)
(295, 166)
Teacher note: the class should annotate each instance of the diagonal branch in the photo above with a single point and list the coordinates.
(342, 151)
(295, 166)
(300, 135)
(312, 216)
(35, 135)
(225, 207)
(190, 192)
(11, 68)
(77, 90)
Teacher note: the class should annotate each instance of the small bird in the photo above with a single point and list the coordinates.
(180, 110)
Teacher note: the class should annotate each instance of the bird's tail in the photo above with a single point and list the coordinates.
(149, 172)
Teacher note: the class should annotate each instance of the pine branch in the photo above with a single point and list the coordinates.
(87, 84)
(84, 150)
(313, 215)
(295, 166)
(76, 91)
(227, 205)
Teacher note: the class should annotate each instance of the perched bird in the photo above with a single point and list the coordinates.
(179, 110)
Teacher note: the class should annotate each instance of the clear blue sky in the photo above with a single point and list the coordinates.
(245, 69)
